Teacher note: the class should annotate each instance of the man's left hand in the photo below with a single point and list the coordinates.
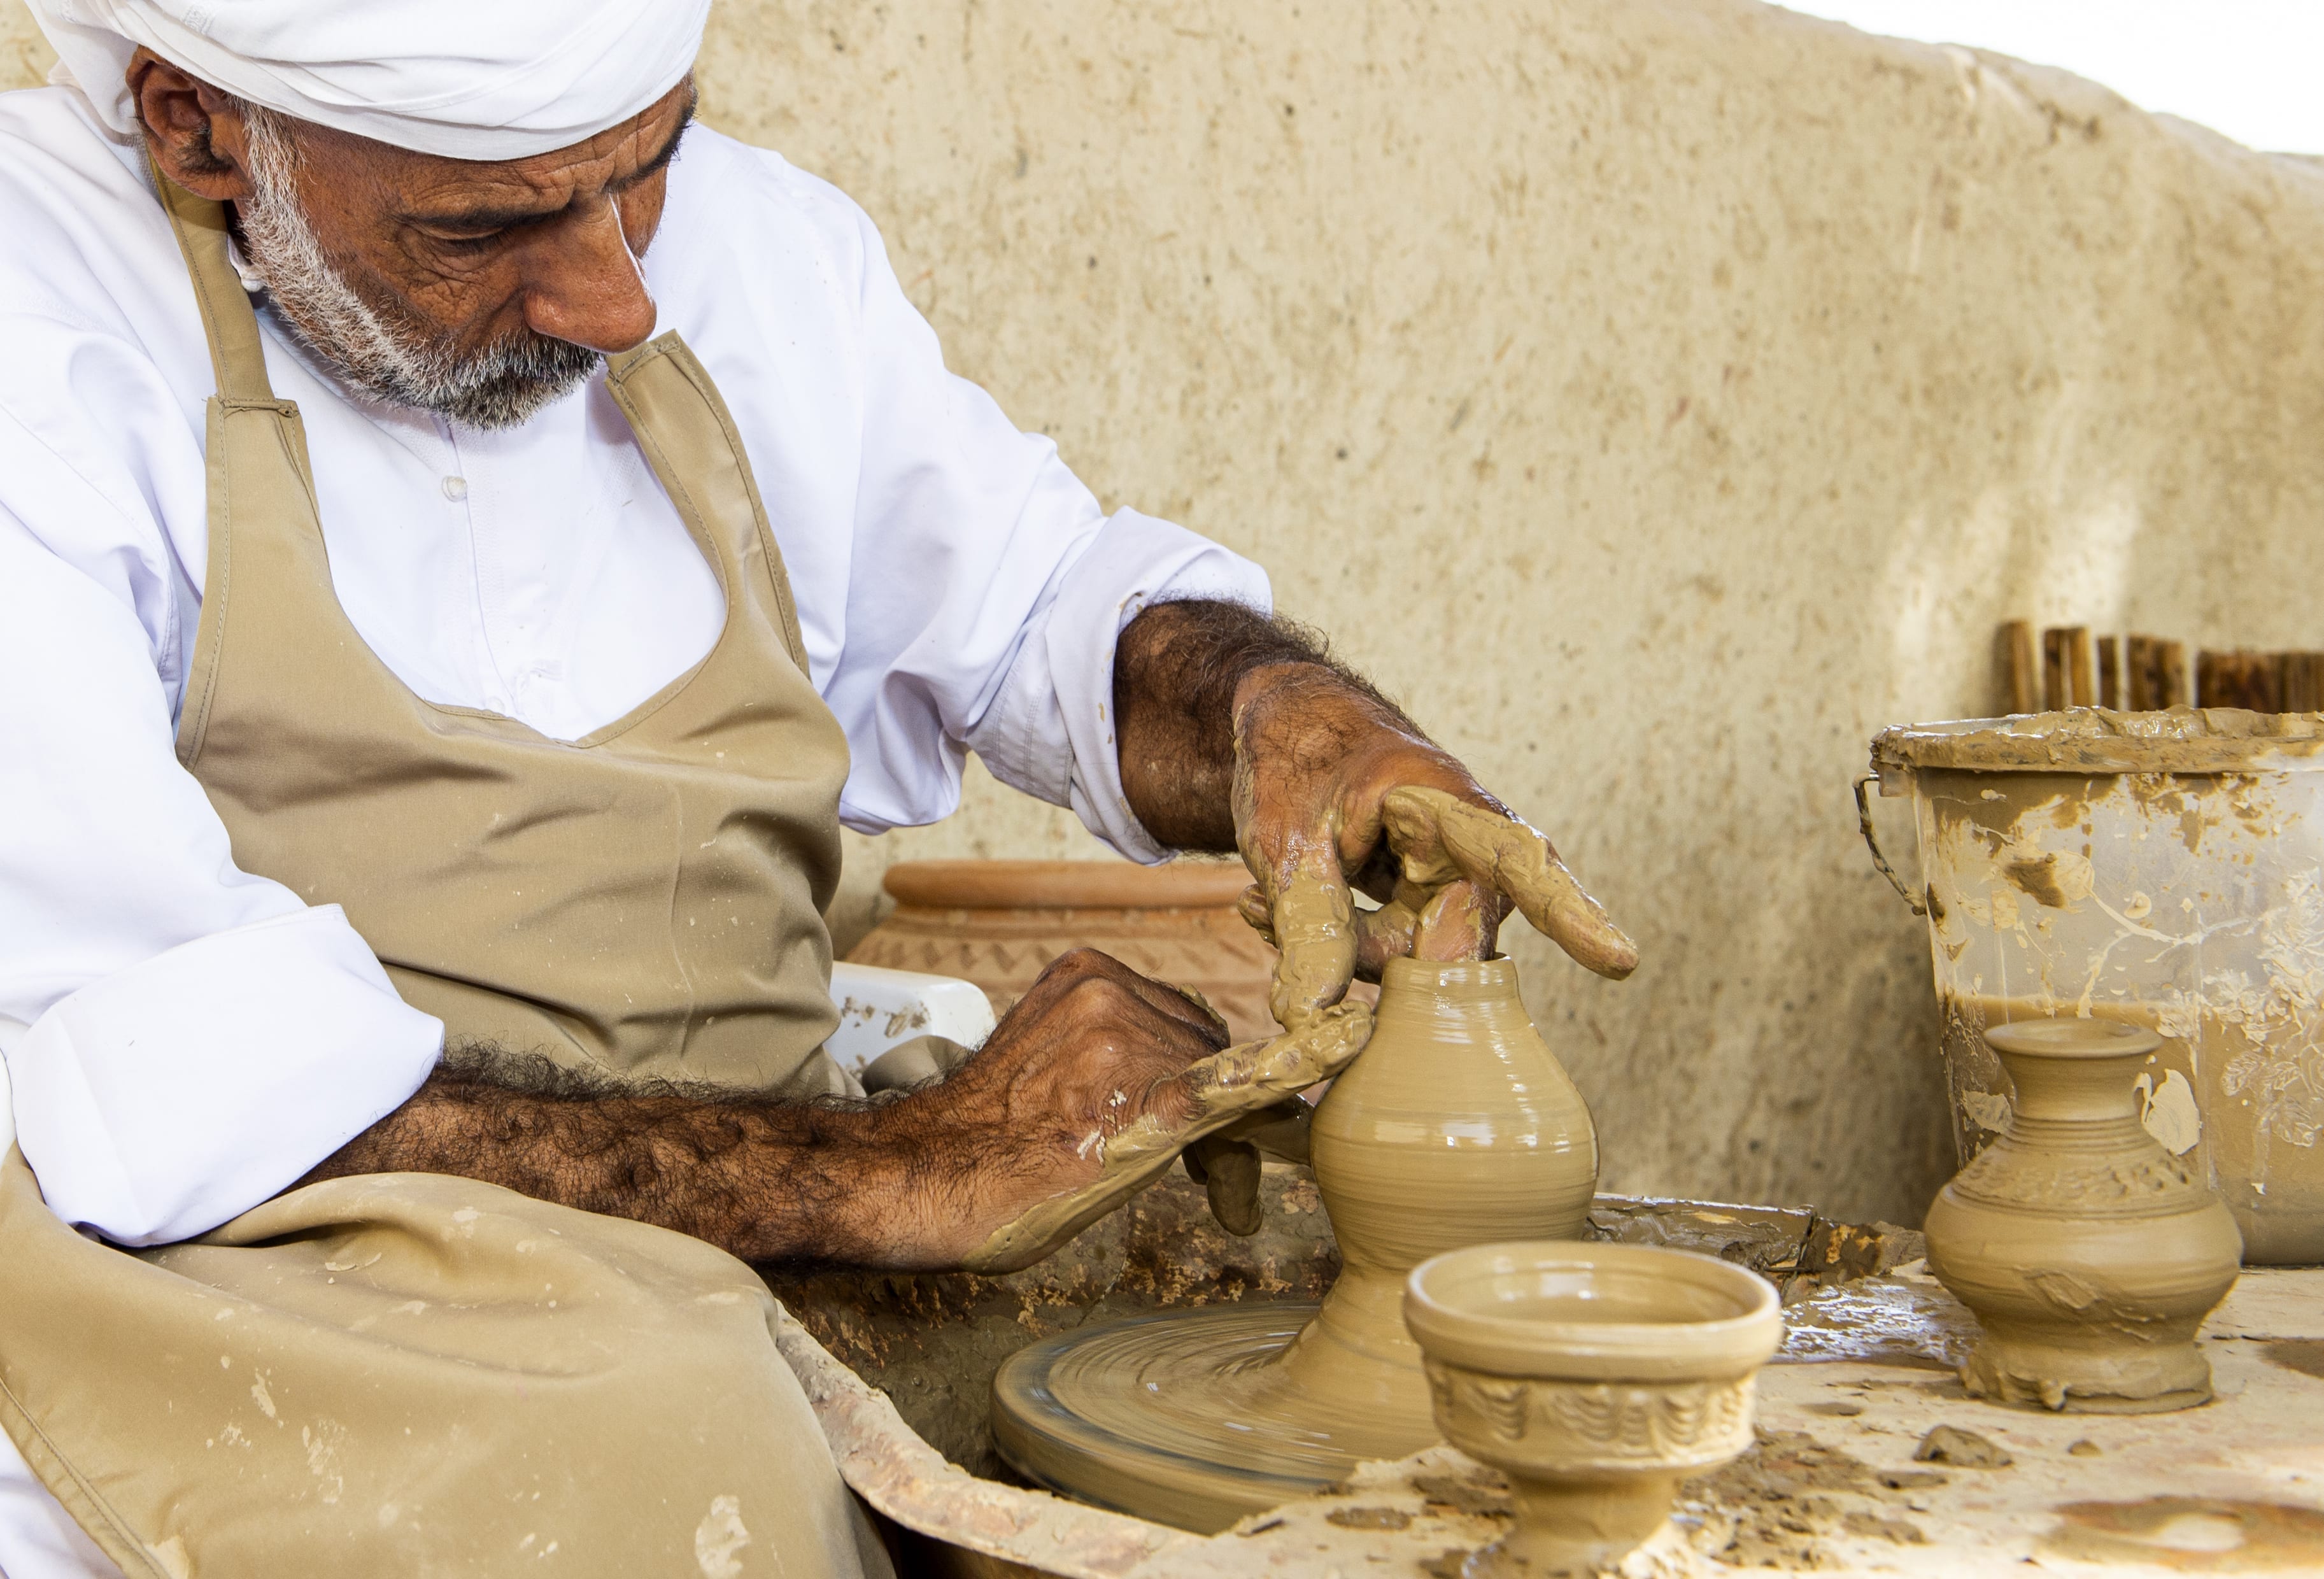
(1334, 791)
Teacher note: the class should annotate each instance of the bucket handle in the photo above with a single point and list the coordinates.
(1872, 843)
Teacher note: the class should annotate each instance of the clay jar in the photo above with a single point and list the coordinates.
(999, 923)
(1596, 1378)
(1455, 1126)
(2088, 1252)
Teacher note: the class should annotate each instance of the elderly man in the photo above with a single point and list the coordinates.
(468, 543)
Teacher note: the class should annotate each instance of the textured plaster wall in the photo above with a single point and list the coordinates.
(1658, 397)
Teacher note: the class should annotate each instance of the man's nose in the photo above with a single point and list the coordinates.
(586, 287)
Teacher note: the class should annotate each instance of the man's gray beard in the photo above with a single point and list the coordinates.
(382, 353)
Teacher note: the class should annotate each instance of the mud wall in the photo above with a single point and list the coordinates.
(1658, 396)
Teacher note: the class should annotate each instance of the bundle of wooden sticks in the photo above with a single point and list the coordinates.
(2071, 668)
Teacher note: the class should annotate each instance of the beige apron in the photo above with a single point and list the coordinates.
(415, 1374)
(645, 901)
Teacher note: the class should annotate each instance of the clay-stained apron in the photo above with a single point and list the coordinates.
(416, 1373)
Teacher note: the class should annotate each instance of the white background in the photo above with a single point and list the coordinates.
(2246, 68)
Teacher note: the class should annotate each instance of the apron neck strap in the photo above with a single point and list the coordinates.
(237, 356)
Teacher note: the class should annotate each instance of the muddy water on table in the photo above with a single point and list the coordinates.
(2202, 1535)
(2275, 1189)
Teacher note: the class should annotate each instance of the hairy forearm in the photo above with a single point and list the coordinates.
(768, 1181)
(1178, 671)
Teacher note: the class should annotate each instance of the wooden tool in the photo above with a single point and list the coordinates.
(2021, 669)
(2157, 674)
(2070, 667)
(2303, 681)
(2239, 679)
(2069, 674)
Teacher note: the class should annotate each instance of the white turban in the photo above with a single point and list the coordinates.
(464, 78)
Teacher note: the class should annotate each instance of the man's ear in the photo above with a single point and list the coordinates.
(195, 133)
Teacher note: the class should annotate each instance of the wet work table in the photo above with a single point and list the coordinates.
(1871, 1458)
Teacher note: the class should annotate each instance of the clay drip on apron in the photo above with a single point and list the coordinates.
(2088, 1252)
(1455, 1126)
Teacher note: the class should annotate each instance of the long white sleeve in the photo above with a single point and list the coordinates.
(1050, 731)
(127, 1121)
(198, 1038)
(984, 585)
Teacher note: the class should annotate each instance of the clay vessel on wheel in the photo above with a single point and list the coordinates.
(1456, 1127)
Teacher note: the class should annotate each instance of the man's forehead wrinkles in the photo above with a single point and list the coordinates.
(509, 194)
(506, 200)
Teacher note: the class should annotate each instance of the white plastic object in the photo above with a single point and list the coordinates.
(880, 1008)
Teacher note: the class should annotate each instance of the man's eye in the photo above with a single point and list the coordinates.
(469, 243)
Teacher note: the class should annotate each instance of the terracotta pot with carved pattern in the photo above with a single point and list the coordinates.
(999, 923)
(2089, 1254)
(1596, 1377)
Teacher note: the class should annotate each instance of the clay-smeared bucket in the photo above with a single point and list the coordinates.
(2160, 870)
(1596, 1377)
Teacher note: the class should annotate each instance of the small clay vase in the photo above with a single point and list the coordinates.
(1455, 1126)
(1595, 1377)
(2088, 1252)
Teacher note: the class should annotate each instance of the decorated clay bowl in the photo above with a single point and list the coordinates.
(1596, 1377)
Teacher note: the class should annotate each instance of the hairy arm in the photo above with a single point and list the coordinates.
(917, 1182)
(853, 1183)
(1185, 674)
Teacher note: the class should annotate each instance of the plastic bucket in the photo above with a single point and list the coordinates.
(2161, 869)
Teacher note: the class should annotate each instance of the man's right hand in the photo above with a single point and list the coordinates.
(1083, 1093)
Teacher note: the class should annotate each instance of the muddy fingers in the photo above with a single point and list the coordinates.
(1313, 918)
(1441, 838)
(1381, 935)
(1461, 920)
(1224, 1089)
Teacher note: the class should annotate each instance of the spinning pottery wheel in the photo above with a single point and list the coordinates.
(1455, 1126)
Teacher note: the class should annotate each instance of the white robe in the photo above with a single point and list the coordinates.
(185, 1039)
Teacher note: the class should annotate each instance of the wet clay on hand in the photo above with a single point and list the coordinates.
(1226, 1088)
(1460, 920)
(1334, 789)
(1462, 867)
(2089, 1254)
(1313, 921)
(1442, 839)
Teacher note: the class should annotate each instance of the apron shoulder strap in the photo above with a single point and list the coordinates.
(676, 410)
(689, 439)
(237, 356)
